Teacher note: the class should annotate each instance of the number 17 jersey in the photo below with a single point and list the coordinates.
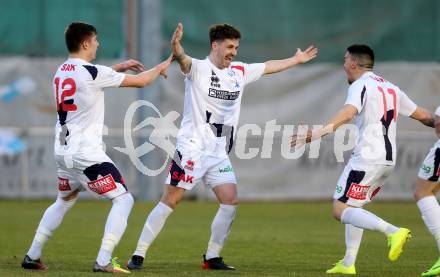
(378, 103)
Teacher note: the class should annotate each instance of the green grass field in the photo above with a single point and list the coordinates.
(267, 239)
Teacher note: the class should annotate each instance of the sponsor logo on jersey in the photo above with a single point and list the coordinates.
(190, 165)
(223, 94)
(63, 184)
(226, 169)
(102, 185)
(68, 67)
(214, 80)
(426, 169)
(338, 189)
(182, 177)
(357, 191)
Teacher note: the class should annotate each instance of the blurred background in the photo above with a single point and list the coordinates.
(405, 35)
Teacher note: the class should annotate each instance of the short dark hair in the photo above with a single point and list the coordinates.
(363, 54)
(76, 33)
(223, 31)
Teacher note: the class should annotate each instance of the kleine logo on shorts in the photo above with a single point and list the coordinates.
(63, 184)
(102, 185)
(357, 191)
(438, 171)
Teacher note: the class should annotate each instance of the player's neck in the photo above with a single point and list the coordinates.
(80, 55)
(359, 73)
(215, 61)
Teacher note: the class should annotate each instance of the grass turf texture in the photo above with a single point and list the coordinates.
(267, 239)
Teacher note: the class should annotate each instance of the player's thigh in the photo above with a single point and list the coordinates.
(220, 177)
(68, 185)
(185, 171)
(172, 195)
(429, 173)
(98, 174)
(358, 184)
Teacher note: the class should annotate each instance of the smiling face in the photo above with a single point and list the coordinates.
(223, 52)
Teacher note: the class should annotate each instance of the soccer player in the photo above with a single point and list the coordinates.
(376, 104)
(426, 188)
(213, 93)
(81, 162)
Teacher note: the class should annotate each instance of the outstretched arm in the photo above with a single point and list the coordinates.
(344, 115)
(178, 51)
(424, 116)
(145, 78)
(128, 65)
(300, 57)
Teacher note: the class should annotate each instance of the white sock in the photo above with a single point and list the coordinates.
(220, 228)
(353, 238)
(114, 227)
(364, 219)
(430, 210)
(52, 218)
(155, 222)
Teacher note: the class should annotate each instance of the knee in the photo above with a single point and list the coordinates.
(170, 201)
(67, 202)
(337, 214)
(423, 189)
(338, 209)
(233, 201)
(418, 194)
(71, 197)
(126, 199)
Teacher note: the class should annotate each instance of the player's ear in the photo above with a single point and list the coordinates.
(214, 45)
(85, 45)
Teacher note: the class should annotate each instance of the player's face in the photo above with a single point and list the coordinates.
(91, 46)
(225, 51)
(349, 66)
(94, 45)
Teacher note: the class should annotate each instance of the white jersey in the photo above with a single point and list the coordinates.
(78, 90)
(212, 104)
(378, 103)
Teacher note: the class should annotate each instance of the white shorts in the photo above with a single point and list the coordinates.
(186, 172)
(359, 183)
(430, 170)
(93, 171)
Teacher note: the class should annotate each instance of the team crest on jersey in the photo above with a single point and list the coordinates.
(237, 85)
(357, 191)
(102, 185)
(215, 81)
(190, 165)
(231, 72)
(63, 184)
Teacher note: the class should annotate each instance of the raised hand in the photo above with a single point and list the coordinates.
(304, 56)
(163, 66)
(130, 65)
(177, 36)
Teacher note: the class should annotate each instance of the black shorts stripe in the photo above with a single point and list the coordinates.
(103, 169)
(355, 176)
(434, 177)
(176, 168)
